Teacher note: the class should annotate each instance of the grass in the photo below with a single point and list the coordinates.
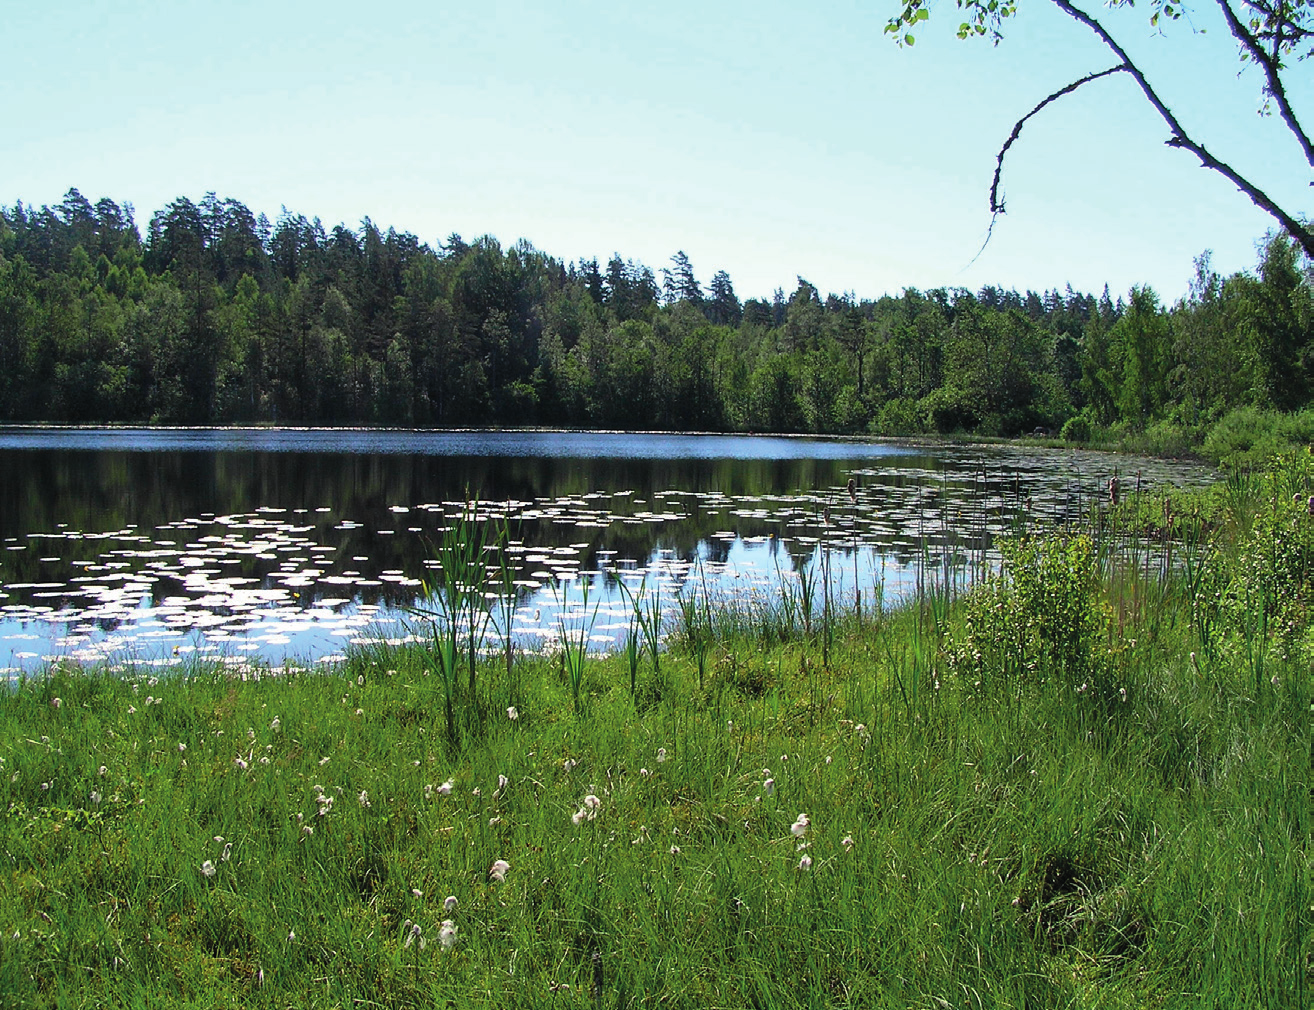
(1044, 793)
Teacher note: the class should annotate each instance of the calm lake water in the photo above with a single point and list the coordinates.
(276, 546)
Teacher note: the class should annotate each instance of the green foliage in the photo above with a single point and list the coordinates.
(216, 317)
(1044, 619)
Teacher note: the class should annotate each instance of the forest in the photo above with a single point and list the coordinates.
(216, 315)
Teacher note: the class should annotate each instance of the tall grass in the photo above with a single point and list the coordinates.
(1042, 792)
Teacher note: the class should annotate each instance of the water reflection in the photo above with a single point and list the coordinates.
(247, 545)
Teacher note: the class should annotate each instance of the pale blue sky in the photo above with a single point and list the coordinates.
(760, 138)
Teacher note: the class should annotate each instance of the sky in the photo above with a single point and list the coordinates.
(763, 139)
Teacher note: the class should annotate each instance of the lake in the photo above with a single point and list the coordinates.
(288, 546)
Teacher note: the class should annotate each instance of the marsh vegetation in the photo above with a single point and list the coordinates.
(1083, 782)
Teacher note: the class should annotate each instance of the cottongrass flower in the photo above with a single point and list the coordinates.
(499, 870)
(661, 754)
(450, 903)
(769, 787)
(502, 783)
(847, 842)
(805, 863)
(447, 934)
(512, 713)
(800, 827)
(208, 869)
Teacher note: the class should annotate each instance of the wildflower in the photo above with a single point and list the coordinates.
(413, 934)
(499, 870)
(102, 771)
(308, 830)
(240, 762)
(227, 853)
(450, 903)
(502, 782)
(56, 702)
(805, 863)
(568, 764)
(512, 713)
(494, 821)
(264, 759)
(800, 827)
(291, 936)
(360, 711)
(769, 787)
(182, 748)
(208, 869)
(446, 788)
(847, 842)
(447, 934)
(323, 761)
(644, 772)
(95, 798)
(275, 724)
(675, 850)
(1122, 693)
(661, 754)
(132, 710)
(364, 799)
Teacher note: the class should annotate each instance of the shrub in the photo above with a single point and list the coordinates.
(1044, 618)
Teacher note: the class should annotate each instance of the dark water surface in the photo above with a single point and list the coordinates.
(277, 545)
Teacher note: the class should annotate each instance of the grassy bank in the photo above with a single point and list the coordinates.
(1087, 783)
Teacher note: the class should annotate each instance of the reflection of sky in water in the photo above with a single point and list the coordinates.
(275, 584)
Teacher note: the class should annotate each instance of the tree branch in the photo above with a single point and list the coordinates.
(1271, 67)
(997, 205)
(1304, 236)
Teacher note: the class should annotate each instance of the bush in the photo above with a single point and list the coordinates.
(1076, 429)
(1044, 619)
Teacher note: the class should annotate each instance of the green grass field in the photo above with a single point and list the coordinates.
(1087, 783)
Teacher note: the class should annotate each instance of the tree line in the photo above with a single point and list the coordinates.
(215, 315)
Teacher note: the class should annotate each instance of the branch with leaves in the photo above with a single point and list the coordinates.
(1270, 33)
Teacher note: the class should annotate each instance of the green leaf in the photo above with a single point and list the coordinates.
(908, 40)
(922, 14)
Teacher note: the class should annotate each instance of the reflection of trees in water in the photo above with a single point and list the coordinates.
(51, 491)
